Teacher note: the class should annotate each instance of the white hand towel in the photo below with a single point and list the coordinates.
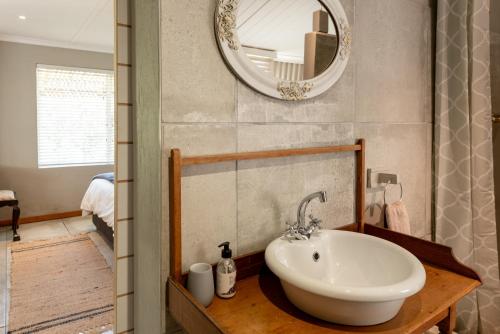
(397, 217)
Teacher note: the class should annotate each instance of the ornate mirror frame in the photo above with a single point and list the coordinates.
(245, 70)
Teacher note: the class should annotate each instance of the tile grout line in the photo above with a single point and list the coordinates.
(296, 123)
(237, 116)
(63, 221)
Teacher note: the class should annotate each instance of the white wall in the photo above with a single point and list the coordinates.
(40, 191)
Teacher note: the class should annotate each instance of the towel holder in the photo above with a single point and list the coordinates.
(385, 191)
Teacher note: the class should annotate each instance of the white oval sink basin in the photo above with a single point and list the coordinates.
(346, 277)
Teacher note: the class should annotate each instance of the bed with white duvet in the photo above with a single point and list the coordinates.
(99, 199)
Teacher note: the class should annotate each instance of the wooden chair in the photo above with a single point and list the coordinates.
(8, 198)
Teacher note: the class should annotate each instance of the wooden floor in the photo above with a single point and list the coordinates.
(260, 306)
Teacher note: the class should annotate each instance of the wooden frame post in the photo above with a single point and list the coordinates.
(177, 162)
(360, 186)
(175, 214)
(447, 325)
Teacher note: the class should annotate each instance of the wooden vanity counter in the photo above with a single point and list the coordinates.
(260, 305)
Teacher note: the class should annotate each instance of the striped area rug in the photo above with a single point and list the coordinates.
(59, 286)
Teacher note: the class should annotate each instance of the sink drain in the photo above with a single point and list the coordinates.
(315, 256)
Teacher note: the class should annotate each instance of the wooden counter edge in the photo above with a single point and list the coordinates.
(190, 314)
(427, 251)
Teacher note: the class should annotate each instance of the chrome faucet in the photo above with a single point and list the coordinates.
(299, 230)
(301, 211)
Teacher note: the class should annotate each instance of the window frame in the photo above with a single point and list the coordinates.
(79, 69)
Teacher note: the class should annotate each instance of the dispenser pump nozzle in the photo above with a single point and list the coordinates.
(227, 253)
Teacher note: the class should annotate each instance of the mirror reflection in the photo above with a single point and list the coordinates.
(290, 40)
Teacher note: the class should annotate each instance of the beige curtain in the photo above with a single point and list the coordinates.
(464, 198)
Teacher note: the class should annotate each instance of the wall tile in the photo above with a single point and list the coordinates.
(428, 179)
(124, 313)
(335, 105)
(124, 275)
(123, 52)
(399, 149)
(252, 137)
(428, 83)
(124, 238)
(125, 163)
(124, 124)
(123, 89)
(208, 212)
(196, 139)
(208, 192)
(269, 191)
(193, 139)
(196, 86)
(124, 200)
(392, 82)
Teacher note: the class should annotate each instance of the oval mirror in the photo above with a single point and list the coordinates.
(286, 49)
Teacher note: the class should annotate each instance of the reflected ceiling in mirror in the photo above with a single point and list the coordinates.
(290, 40)
(286, 49)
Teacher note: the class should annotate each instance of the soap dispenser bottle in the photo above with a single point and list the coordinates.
(226, 273)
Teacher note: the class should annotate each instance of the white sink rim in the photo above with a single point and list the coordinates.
(400, 290)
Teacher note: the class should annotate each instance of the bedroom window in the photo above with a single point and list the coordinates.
(75, 116)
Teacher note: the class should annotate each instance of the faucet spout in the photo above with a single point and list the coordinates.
(301, 211)
(299, 230)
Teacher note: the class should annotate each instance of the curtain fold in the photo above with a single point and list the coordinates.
(464, 193)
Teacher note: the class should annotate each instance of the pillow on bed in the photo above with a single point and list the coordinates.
(105, 176)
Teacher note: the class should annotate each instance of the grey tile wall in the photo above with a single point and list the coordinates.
(402, 149)
(392, 47)
(384, 96)
(393, 101)
(199, 88)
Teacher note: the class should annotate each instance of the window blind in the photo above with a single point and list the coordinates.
(75, 116)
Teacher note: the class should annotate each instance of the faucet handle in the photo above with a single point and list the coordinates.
(314, 220)
(315, 223)
(291, 231)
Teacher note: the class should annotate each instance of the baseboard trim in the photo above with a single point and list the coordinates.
(41, 218)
